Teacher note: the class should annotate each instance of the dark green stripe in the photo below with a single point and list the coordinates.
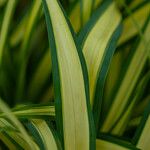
(55, 71)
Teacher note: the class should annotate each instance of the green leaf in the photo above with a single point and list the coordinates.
(113, 74)
(33, 111)
(122, 122)
(141, 106)
(2, 2)
(129, 80)
(5, 25)
(14, 136)
(99, 39)
(106, 145)
(43, 133)
(75, 18)
(129, 28)
(142, 135)
(73, 116)
(19, 31)
(106, 142)
(7, 142)
(16, 124)
(86, 9)
(97, 3)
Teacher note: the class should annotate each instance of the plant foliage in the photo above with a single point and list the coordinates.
(74, 74)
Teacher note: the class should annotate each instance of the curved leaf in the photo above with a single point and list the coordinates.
(71, 94)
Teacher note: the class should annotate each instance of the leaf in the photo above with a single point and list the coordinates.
(113, 74)
(5, 25)
(86, 9)
(74, 17)
(17, 124)
(141, 106)
(24, 53)
(106, 145)
(2, 2)
(129, 28)
(142, 135)
(98, 40)
(19, 31)
(97, 3)
(6, 126)
(128, 81)
(135, 4)
(33, 111)
(42, 132)
(122, 122)
(73, 116)
(7, 142)
(143, 142)
(12, 135)
(106, 142)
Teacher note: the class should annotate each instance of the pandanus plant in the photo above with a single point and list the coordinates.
(74, 74)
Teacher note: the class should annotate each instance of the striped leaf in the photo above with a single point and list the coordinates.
(112, 79)
(106, 142)
(106, 145)
(122, 122)
(15, 122)
(69, 74)
(18, 140)
(142, 135)
(33, 111)
(129, 27)
(139, 16)
(7, 142)
(143, 142)
(43, 134)
(129, 80)
(99, 40)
